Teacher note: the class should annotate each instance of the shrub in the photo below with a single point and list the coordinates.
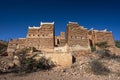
(3, 48)
(117, 43)
(102, 45)
(26, 65)
(97, 68)
(45, 64)
(30, 64)
(93, 48)
(103, 53)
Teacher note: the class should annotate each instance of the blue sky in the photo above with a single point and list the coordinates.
(17, 15)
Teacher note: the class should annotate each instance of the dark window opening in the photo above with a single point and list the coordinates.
(73, 59)
(91, 43)
(93, 48)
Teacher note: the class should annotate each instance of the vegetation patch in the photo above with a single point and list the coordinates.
(97, 68)
(117, 43)
(3, 48)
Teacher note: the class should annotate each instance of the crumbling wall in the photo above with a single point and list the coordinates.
(16, 44)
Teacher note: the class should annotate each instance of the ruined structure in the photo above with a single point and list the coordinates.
(76, 38)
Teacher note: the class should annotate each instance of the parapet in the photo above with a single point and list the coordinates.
(34, 27)
(105, 30)
(42, 23)
(72, 22)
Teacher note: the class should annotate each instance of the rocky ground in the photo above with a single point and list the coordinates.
(87, 68)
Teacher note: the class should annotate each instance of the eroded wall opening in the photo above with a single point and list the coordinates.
(73, 59)
(91, 43)
(92, 46)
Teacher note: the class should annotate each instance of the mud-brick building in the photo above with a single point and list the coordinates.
(42, 38)
(96, 36)
(76, 38)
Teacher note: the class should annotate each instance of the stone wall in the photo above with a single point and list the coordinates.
(61, 49)
(105, 36)
(60, 40)
(41, 37)
(96, 36)
(61, 59)
(77, 36)
(16, 44)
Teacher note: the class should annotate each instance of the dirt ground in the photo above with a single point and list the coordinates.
(78, 71)
(58, 75)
